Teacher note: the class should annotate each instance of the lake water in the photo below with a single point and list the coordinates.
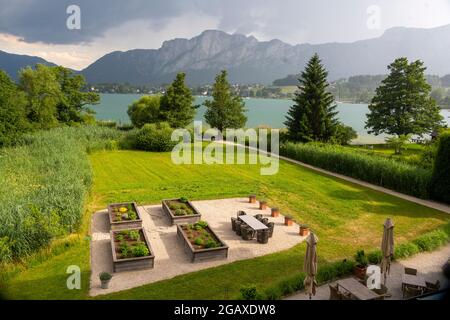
(271, 112)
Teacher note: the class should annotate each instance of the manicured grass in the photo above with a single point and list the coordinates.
(345, 217)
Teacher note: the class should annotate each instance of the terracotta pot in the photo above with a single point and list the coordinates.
(288, 221)
(252, 199)
(275, 212)
(360, 272)
(262, 205)
(304, 231)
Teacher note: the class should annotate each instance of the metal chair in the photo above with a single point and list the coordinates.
(411, 292)
(411, 271)
(265, 221)
(432, 287)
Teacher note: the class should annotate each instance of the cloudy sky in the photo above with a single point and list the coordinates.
(39, 27)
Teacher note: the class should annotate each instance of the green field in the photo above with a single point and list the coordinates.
(345, 217)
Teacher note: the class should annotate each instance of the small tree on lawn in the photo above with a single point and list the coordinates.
(226, 110)
(176, 105)
(313, 116)
(402, 104)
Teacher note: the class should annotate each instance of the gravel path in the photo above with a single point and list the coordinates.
(170, 258)
(428, 264)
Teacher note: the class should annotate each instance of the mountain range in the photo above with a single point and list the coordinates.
(251, 61)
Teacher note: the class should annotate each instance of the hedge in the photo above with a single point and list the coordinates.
(440, 183)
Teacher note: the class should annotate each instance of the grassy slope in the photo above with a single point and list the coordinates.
(345, 217)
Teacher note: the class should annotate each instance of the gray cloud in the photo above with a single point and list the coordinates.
(293, 21)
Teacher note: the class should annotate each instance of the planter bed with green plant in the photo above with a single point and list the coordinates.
(201, 242)
(131, 250)
(124, 216)
(180, 211)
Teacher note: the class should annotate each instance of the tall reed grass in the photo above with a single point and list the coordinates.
(44, 183)
(385, 172)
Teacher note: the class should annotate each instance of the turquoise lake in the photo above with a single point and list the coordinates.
(271, 112)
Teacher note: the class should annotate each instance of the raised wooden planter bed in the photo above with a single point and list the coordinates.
(130, 263)
(174, 217)
(200, 253)
(123, 223)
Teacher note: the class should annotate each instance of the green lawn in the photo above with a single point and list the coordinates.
(345, 217)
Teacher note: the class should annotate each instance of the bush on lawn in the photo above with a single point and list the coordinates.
(154, 137)
(384, 172)
(440, 183)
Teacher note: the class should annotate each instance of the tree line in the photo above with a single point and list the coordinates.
(43, 98)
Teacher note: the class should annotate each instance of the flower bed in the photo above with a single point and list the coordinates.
(180, 211)
(201, 242)
(124, 216)
(131, 250)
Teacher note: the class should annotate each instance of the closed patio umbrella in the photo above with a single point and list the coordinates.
(310, 265)
(387, 247)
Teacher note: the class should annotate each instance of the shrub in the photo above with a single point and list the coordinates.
(405, 250)
(431, 240)
(184, 200)
(104, 276)
(440, 183)
(154, 137)
(381, 171)
(361, 259)
(249, 292)
(140, 249)
(374, 257)
(272, 293)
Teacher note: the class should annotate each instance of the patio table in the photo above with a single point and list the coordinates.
(252, 222)
(357, 289)
(413, 280)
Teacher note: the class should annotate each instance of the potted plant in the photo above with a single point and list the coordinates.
(252, 198)
(304, 230)
(105, 277)
(288, 220)
(275, 212)
(361, 264)
(262, 204)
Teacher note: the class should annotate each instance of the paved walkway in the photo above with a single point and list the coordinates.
(170, 257)
(428, 264)
(427, 203)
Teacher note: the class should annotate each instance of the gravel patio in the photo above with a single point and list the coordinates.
(170, 257)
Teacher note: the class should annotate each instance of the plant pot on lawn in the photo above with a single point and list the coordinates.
(105, 278)
(304, 230)
(124, 216)
(180, 210)
(275, 212)
(252, 198)
(362, 262)
(262, 205)
(288, 220)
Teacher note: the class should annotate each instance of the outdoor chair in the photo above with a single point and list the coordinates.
(258, 216)
(233, 223)
(334, 292)
(247, 233)
(262, 236)
(265, 221)
(271, 226)
(410, 292)
(411, 271)
(238, 227)
(382, 291)
(240, 213)
(432, 287)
